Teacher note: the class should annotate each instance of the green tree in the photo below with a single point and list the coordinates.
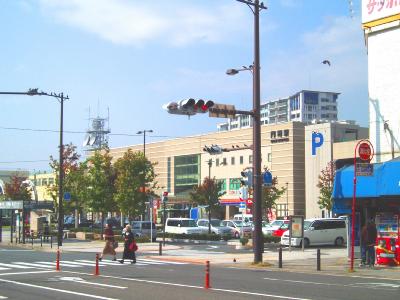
(17, 189)
(134, 183)
(325, 185)
(207, 193)
(99, 181)
(271, 194)
(70, 164)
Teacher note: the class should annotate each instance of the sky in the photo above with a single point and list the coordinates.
(130, 57)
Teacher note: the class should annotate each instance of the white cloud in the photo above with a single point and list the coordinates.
(134, 23)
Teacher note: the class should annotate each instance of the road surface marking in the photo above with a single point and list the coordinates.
(193, 286)
(1, 269)
(3, 297)
(62, 264)
(23, 273)
(81, 264)
(111, 263)
(33, 265)
(80, 280)
(15, 266)
(56, 290)
(368, 285)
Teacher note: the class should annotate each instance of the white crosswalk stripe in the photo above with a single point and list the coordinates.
(15, 266)
(82, 263)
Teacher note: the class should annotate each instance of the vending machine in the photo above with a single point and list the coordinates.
(388, 242)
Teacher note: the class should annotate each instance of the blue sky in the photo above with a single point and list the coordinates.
(133, 56)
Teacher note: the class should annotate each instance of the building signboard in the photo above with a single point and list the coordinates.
(11, 204)
(373, 10)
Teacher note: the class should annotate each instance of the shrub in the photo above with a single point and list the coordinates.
(272, 239)
(244, 241)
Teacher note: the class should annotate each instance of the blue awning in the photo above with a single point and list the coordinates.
(385, 182)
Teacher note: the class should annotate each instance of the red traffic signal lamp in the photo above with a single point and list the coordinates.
(189, 107)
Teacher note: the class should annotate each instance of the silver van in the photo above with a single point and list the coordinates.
(142, 228)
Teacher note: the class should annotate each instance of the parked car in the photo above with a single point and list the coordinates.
(216, 227)
(279, 232)
(144, 228)
(320, 232)
(183, 226)
(274, 225)
(238, 228)
(246, 218)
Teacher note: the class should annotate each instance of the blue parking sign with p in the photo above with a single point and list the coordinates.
(317, 139)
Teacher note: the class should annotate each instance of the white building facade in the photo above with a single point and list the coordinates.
(381, 23)
(305, 106)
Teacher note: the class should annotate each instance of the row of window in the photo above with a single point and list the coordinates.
(279, 134)
(224, 161)
(44, 181)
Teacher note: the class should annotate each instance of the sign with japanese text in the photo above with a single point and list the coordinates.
(364, 169)
(378, 9)
(296, 226)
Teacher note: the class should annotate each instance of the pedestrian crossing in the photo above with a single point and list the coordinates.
(80, 263)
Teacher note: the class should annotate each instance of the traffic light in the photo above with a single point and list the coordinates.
(189, 107)
(247, 178)
(213, 150)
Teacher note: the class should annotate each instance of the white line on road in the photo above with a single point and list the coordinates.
(56, 290)
(193, 286)
(80, 280)
(1, 269)
(3, 297)
(23, 273)
(33, 265)
(54, 264)
(15, 266)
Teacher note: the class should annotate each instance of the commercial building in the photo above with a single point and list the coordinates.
(382, 32)
(182, 164)
(305, 106)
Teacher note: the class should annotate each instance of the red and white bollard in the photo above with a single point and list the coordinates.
(96, 272)
(58, 260)
(207, 279)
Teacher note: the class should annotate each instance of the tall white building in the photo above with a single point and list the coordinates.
(381, 23)
(305, 106)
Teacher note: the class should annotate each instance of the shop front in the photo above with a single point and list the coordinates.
(378, 199)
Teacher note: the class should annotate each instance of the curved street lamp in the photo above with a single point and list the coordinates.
(61, 98)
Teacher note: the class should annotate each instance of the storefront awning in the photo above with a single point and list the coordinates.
(384, 183)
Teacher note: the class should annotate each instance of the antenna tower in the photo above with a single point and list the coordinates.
(97, 135)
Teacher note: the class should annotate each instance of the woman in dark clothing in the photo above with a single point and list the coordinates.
(129, 246)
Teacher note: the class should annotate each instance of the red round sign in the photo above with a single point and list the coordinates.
(364, 151)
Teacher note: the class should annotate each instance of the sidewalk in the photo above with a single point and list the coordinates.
(333, 260)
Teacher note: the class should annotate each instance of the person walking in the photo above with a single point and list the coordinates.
(130, 246)
(368, 241)
(109, 246)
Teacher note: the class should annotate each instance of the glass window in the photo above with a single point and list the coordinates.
(286, 132)
(269, 157)
(224, 161)
(223, 185)
(279, 133)
(217, 162)
(232, 161)
(273, 134)
(241, 160)
(234, 184)
(51, 181)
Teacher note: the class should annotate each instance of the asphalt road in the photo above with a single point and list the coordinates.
(27, 274)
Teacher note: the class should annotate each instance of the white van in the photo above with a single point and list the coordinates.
(246, 218)
(183, 226)
(320, 232)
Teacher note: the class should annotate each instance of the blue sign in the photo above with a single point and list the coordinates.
(67, 196)
(267, 178)
(317, 140)
(242, 205)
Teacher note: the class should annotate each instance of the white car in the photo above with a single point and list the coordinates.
(320, 232)
(183, 226)
(238, 228)
(216, 227)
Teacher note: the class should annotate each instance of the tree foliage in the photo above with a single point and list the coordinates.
(134, 182)
(325, 185)
(70, 165)
(17, 189)
(207, 193)
(99, 181)
(271, 194)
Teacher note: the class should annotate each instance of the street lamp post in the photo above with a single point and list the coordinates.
(144, 155)
(287, 199)
(144, 139)
(258, 244)
(61, 98)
